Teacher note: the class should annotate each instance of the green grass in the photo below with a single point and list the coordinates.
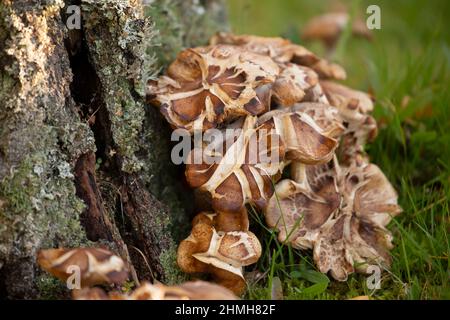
(407, 68)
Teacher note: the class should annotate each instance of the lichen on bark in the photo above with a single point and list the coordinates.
(39, 140)
(73, 119)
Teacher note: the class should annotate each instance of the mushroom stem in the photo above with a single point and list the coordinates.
(298, 172)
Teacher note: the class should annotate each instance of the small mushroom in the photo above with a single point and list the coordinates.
(96, 265)
(328, 28)
(340, 212)
(282, 51)
(193, 290)
(221, 254)
(206, 86)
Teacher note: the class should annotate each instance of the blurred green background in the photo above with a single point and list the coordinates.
(407, 26)
(406, 67)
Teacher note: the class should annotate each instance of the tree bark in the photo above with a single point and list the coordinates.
(83, 159)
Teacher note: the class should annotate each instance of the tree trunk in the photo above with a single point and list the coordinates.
(83, 159)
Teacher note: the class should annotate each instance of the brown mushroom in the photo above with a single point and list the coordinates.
(222, 254)
(206, 86)
(91, 294)
(282, 51)
(326, 116)
(299, 207)
(338, 209)
(340, 212)
(328, 27)
(330, 122)
(293, 83)
(242, 168)
(316, 94)
(240, 176)
(354, 108)
(224, 221)
(193, 290)
(347, 100)
(303, 138)
(96, 265)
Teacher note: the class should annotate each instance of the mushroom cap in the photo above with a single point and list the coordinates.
(206, 86)
(293, 83)
(202, 290)
(192, 290)
(222, 254)
(354, 108)
(299, 209)
(328, 27)
(240, 175)
(96, 265)
(225, 221)
(305, 141)
(325, 27)
(316, 94)
(326, 116)
(243, 168)
(340, 212)
(350, 102)
(282, 51)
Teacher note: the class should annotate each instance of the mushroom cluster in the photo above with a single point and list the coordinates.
(271, 90)
(97, 266)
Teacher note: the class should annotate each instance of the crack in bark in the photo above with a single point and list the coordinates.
(138, 229)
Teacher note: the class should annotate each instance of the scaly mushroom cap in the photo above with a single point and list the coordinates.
(327, 117)
(354, 108)
(222, 254)
(304, 140)
(96, 265)
(206, 86)
(243, 167)
(316, 94)
(240, 175)
(300, 207)
(341, 212)
(282, 51)
(328, 28)
(349, 101)
(293, 83)
(193, 290)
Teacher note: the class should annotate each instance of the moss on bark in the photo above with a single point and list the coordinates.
(39, 141)
(68, 94)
